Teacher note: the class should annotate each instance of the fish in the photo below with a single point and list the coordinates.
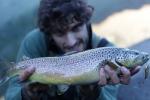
(78, 68)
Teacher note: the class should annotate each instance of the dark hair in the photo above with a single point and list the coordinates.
(55, 16)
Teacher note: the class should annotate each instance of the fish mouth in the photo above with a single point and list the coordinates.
(141, 59)
(144, 58)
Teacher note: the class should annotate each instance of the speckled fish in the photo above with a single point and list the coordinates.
(79, 68)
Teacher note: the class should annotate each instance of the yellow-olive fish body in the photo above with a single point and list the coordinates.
(79, 68)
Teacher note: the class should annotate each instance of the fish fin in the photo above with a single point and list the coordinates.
(114, 65)
(5, 68)
(25, 58)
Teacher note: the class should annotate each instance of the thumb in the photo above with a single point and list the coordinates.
(26, 73)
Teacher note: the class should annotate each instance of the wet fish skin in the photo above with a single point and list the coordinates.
(79, 68)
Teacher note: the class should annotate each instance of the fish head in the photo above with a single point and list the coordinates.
(132, 58)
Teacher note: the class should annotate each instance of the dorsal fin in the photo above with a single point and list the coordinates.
(25, 58)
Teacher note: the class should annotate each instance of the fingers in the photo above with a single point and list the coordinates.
(126, 75)
(110, 76)
(34, 87)
(26, 73)
(135, 70)
(102, 75)
(34, 91)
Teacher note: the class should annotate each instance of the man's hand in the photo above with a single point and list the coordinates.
(109, 76)
(26, 73)
(32, 90)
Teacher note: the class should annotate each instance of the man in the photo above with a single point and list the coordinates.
(63, 27)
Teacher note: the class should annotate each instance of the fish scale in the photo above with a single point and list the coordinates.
(79, 68)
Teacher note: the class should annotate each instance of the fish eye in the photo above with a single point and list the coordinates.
(23, 66)
(136, 53)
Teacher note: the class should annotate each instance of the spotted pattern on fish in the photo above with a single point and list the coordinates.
(84, 65)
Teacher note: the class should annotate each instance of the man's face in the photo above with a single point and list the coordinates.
(74, 40)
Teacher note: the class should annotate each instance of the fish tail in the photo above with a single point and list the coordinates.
(5, 68)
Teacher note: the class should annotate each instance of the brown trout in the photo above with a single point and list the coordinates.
(79, 68)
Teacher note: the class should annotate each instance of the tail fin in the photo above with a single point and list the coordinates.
(5, 67)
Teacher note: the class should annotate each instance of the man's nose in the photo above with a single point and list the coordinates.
(71, 39)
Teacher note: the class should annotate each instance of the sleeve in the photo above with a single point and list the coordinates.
(109, 92)
(32, 46)
(14, 90)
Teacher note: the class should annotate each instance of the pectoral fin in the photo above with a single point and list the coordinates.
(113, 64)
